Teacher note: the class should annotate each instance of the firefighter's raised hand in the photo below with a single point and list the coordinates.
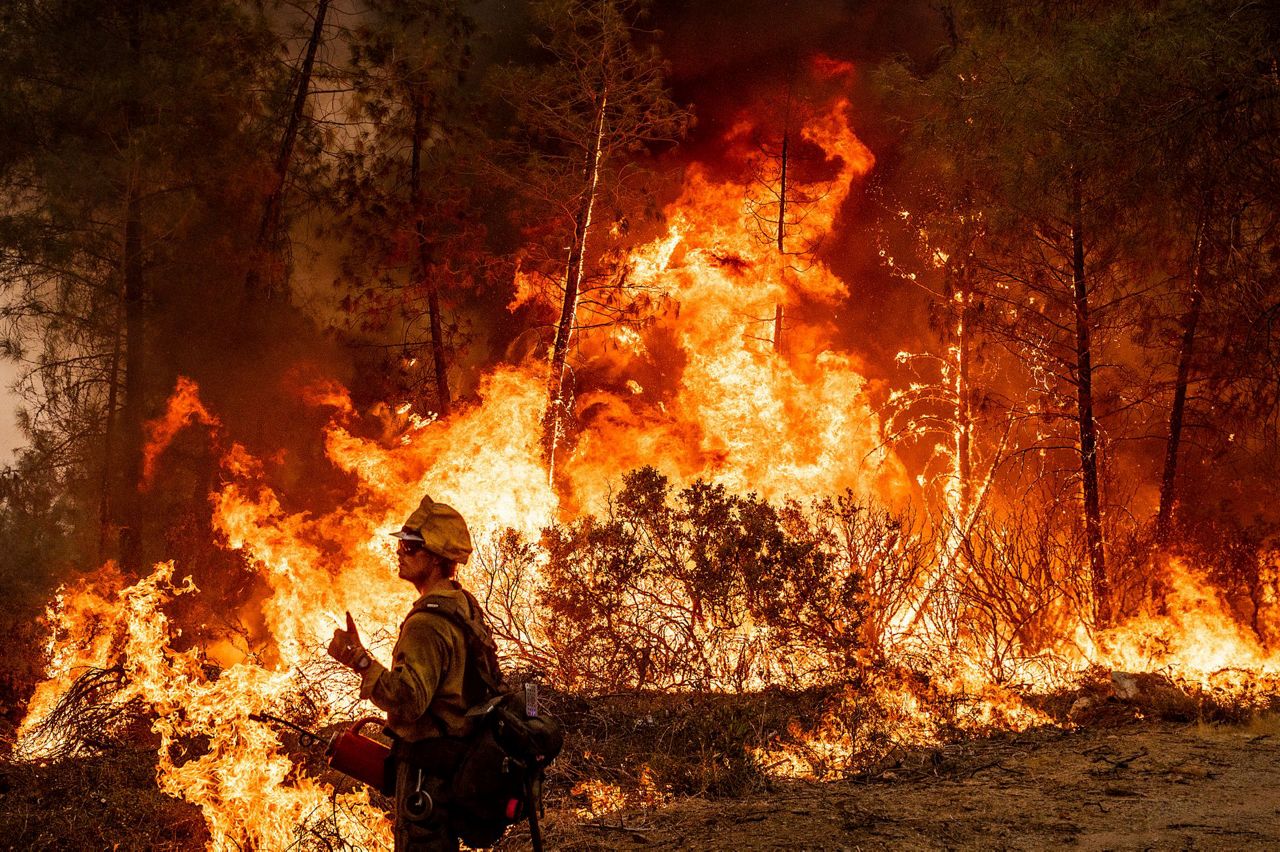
(345, 647)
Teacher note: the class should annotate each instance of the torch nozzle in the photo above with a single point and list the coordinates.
(307, 738)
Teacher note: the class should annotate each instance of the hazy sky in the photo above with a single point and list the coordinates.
(10, 439)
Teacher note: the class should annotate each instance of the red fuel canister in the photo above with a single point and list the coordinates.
(364, 759)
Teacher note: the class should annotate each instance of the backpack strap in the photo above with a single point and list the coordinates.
(482, 652)
(533, 804)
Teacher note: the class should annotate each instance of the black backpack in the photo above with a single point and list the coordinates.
(499, 774)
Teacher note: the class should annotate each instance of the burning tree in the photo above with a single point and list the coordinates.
(788, 180)
(1046, 224)
(783, 188)
(583, 115)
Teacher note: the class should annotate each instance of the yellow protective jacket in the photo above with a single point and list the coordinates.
(422, 691)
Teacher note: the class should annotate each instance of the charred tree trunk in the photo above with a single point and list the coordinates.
(428, 281)
(782, 227)
(782, 190)
(133, 408)
(573, 281)
(1190, 320)
(269, 226)
(1084, 411)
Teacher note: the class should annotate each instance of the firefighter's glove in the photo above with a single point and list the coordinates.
(345, 647)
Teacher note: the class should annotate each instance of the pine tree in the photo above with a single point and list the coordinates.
(404, 185)
(583, 115)
(120, 119)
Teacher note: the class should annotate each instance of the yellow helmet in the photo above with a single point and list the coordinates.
(440, 529)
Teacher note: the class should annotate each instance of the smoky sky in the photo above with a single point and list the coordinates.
(721, 53)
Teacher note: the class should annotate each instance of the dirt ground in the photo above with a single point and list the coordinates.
(1146, 786)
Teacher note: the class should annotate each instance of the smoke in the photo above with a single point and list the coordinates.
(724, 55)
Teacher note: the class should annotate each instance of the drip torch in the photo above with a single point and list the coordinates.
(349, 751)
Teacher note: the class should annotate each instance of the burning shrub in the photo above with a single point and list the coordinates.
(88, 717)
(697, 589)
(1015, 575)
(508, 567)
(887, 552)
(1242, 558)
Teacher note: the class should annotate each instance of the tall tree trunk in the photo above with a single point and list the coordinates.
(782, 223)
(428, 280)
(964, 403)
(106, 505)
(269, 226)
(1169, 477)
(958, 495)
(133, 412)
(133, 408)
(957, 295)
(1084, 411)
(572, 283)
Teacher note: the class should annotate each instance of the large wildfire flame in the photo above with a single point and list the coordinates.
(741, 414)
(793, 423)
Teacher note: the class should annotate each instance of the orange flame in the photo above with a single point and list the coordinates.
(184, 408)
(741, 413)
(1197, 638)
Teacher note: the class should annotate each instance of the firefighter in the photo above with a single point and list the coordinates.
(422, 692)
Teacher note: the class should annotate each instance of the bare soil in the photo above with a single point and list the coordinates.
(1143, 786)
